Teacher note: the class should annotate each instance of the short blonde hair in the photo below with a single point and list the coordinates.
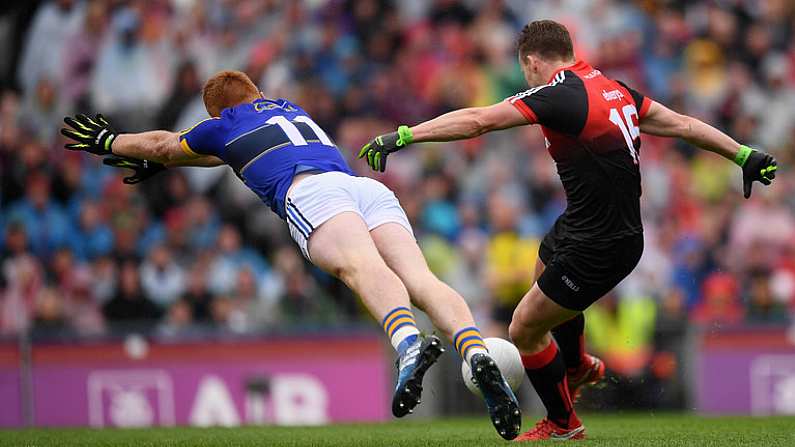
(226, 89)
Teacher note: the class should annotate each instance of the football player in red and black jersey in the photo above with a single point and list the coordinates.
(592, 126)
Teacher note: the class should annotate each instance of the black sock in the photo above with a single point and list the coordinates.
(569, 336)
(547, 373)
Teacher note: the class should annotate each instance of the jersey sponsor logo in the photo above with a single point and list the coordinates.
(261, 106)
(569, 283)
(558, 79)
(612, 95)
(593, 74)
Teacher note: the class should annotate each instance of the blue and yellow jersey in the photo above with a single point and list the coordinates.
(266, 142)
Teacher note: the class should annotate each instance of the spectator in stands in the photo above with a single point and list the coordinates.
(187, 86)
(130, 304)
(178, 320)
(131, 76)
(204, 223)
(23, 279)
(42, 109)
(621, 331)
(440, 215)
(44, 49)
(26, 158)
(126, 236)
(103, 279)
(197, 294)
(667, 366)
(222, 308)
(782, 280)
(762, 304)
(162, 279)
(83, 47)
(46, 224)
(48, 315)
(93, 237)
(81, 309)
(68, 183)
(510, 259)
(302, 299)
(231, 256)
(721, 304)
(467, 273)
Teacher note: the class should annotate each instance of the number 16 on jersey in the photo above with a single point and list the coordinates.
(627, 125)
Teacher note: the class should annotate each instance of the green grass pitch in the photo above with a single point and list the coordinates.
(612, 430)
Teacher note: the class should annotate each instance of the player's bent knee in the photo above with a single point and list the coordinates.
(346, 274)
(527, 322)
(521, 333)
(526, 315)
(351, 273)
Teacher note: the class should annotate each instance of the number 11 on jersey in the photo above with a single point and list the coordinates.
(294, 135)
(627, 126)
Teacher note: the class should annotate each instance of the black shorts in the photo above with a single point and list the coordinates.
(579, 273)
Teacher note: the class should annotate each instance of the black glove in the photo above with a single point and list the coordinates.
(143, 168)
(381, 146)
(757, 166)
(93, 135)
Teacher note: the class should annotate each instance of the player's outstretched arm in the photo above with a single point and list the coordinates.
(757, 165)
(145, 153)
(456, 125)
(97, 136)
(467, 123)
(160, 146)
(664, 122)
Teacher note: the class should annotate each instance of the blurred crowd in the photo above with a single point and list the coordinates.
(84, 253)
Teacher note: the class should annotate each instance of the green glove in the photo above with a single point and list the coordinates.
(757, 166)
(93, 135)
(381, 146)
(143, 168)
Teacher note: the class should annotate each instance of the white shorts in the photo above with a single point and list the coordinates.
(320, 197)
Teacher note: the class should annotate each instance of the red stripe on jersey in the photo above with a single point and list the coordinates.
(527, 112)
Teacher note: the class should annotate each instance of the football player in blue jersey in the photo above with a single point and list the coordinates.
(351, 227)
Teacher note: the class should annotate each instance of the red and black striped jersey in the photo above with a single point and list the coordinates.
(591, 126)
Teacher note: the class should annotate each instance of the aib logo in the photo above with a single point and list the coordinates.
(145, 398)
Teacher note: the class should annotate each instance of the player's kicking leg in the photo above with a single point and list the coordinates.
(582, 369)
(570, 284)
(451, 315)
(343, 247)
(534, 318)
